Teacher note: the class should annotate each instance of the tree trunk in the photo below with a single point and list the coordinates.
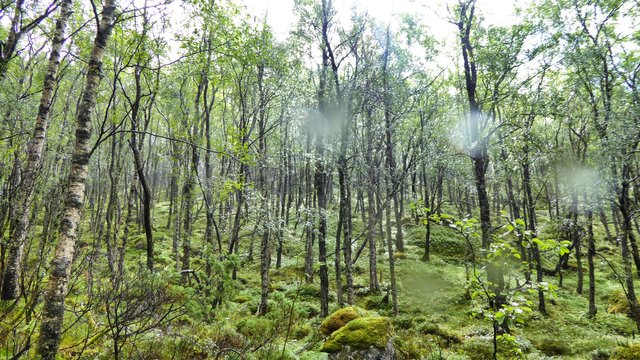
(591, 252)
(526, 182)
(53, 309)
(605, 224)
(624, 203)
(320, 179)
(265, 252)
(187, 213)
(374, 286)
(426, 256)
(309, 217)
(26, 190)
(140, 171)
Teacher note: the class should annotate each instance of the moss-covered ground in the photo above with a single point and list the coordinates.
(214, 316)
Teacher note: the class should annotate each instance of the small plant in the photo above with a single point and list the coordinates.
(501, 304)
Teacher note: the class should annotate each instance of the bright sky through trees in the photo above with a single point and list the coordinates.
(435, 12)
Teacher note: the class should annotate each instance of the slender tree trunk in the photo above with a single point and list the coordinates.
(177, 206)
(26, 190)
(309, 217)
(576, 240)
(188, 191)
(374, 286)
(344, 218)
(187, 221)
(426, 256)
(265, 252)
(111, 236)
(392, 188)
(478, 151)
(140, 171)
(284, 192)
(320, 179)
(532, 227)
(591, 252)
(53, 309)
(624, 203)
(615, 215)
(605, 224)
(235, 229)
(208, 189)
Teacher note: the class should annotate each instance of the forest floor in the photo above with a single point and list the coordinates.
(435, 321)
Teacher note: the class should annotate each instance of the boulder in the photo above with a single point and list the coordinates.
(362, 338)
(339, 319)
(373, 353)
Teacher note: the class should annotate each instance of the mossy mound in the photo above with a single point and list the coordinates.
(361, 333)
(255, 327)
(339, 319)
(618, 303)
(629, 352)
(436, 330)
(554, 347)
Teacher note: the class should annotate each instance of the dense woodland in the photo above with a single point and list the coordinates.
(178, 182)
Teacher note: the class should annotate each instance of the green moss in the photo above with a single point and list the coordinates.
(404, 322)
(338, 319)
(435, 329)
(255, 327)
(361, 333)
(601, 354)
(300, 331)
(411, 346)
(629, 352)
(241, 299)
(376, 302)
(478, 348)
(227, 338)
(618, 303)
(399, 255)
(554, 347)
(309, 291)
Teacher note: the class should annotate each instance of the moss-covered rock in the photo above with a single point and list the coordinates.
(372, 353)
(339, 319)
(361, 333)
(628, 352)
